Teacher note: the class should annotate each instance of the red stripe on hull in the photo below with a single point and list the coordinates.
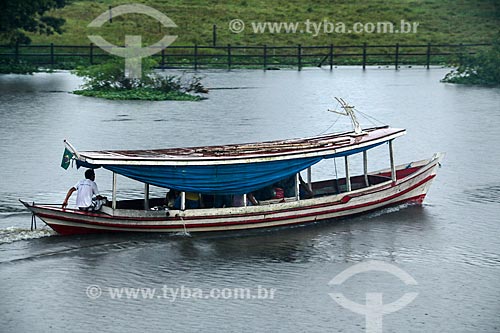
(74, 230)
(246, 222)
(67, 230)
(248, 216)
(416, 200)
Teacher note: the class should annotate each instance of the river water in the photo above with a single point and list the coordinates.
(450, 246)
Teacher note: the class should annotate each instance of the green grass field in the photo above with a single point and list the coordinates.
(440, 21)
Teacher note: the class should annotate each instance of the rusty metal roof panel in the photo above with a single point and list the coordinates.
(320, 145)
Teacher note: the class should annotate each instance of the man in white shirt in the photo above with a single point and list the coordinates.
(86, 188)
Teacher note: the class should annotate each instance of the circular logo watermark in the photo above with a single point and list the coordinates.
(93, 291)
(133, 52)
(236, 26)
(374, 308)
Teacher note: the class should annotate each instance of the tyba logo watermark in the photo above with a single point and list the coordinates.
(374, 308)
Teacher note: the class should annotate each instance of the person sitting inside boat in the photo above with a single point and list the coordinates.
(87, 197)
(171, 197)
(238, 200)
(192, 201)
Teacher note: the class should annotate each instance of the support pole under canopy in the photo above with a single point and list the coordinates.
(309, 178)
(113, 203)
(297, 186)
(365, 168)
(183, 200)
(391, 156)
(347, 176)
(146, 196)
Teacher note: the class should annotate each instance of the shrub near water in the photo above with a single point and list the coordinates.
(109, 81)
(12, 67)
(483, 68)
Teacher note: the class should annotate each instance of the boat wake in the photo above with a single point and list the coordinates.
(181, 234)
(14, 234)
(389, 210)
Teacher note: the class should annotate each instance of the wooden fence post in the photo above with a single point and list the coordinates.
(214, 35)
(331, 56)
(428, 61)
(52, 54)
(396, 60)
(163, 59)
(195, 56)
(299, 57)
(364, 56)
(91, 53)
(265, 56)
(16, 55)
(229, 59)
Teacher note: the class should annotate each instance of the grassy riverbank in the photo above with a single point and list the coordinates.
(439, 21)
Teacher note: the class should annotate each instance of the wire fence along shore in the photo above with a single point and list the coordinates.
(263, 57)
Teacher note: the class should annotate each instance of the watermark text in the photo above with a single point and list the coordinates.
(316, 28)
(172, 294)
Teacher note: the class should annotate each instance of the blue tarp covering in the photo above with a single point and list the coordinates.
(219, 179)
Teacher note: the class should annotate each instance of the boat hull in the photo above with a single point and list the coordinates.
(412, 184)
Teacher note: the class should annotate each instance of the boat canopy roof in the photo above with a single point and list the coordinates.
(235, 168)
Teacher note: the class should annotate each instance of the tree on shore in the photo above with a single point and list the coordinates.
(482, 68)
(109, 80)
(20, 16)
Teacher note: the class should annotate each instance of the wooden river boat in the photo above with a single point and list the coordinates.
(242, 169)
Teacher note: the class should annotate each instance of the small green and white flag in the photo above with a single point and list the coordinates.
(66, 160)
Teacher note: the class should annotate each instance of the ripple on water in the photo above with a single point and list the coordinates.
(484, 194)
(117, 119)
